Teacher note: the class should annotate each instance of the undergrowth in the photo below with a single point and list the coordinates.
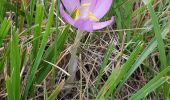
(128, 60)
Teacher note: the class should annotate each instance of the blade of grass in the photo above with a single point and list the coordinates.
(148, 89)
(161, 45)
(37, 31)
(58, 67)
(104, 63)
(5, 55)
(148, 50)
(33, 70)
(53, 53)
(168, 59)
(55, 93)
(116, 77)
(32, 7)
(15, 63)
(2, 10)
(158, 36)
(4, 29)
(152, 85)
(10, 92)
(118, 16)
(5, 26)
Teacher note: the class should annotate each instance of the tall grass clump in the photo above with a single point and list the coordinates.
(46, 55)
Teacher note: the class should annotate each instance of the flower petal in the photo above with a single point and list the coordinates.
(66, 16)
(102, 7)
(91, 2)
(71, 5)
(101, 25)
(84, 25)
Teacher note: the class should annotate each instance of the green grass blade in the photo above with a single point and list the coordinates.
(55, 93)
(5, 26)
(38, 59)
(53, 53)
(37, 31)
(158, 36)
(117, 75)
(161, 45)
(15, 63)
(2, 10)
(151, 85)
(3, 59)
(105, 62)
(32, 7)
(148, 50)
(148, 88)
(10, 92)
(168, 59)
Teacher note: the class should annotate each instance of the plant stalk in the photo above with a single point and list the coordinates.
(72, 65)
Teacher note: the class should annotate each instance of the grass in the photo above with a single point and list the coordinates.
(128, 60)
(37, 61)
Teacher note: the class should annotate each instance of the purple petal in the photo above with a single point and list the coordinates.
(101, 25)
(84, 25)
(102, 7)
(91, 2)
(71, 5)
(66, 16)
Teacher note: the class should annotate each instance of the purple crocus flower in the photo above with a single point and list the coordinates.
(85, 14)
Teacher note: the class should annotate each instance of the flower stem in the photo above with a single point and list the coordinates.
(72, 65)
